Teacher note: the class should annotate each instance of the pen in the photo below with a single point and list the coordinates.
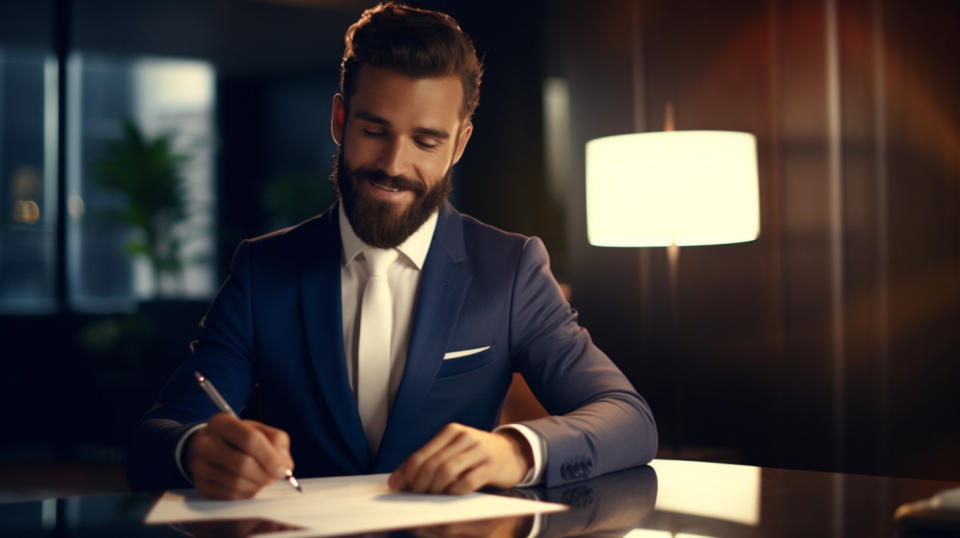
(222, 405)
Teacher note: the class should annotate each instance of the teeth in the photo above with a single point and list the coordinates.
(386, 188)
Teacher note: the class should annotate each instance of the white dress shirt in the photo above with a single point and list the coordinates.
(403, 277)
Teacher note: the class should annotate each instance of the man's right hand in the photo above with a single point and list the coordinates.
(231, 458)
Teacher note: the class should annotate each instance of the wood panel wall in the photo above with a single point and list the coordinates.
(831, 342)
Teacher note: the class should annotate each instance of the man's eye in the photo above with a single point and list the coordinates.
(372, 132)
(427, 144)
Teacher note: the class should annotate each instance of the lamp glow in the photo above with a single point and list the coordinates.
(682, 187)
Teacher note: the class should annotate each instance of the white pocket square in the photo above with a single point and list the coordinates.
(464, 352)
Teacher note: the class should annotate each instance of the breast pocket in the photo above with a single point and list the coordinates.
(465, 361)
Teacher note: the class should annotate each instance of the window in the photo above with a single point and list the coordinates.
(28, 196)
(159, 97)
(111, 260)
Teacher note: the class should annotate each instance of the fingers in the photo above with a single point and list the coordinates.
(470, 481)
(411, 474)
(213, 481)
(460, 460)
(280, 441)
(447, 464)
(248, 437)
(234, 459)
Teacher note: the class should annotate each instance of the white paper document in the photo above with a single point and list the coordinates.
(343, 505)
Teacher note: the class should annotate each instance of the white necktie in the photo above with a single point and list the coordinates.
(373, 351)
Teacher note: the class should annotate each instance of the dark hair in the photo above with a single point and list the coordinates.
(415, 42)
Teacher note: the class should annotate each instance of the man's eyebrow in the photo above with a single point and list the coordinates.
(373, 118)
(442, 135)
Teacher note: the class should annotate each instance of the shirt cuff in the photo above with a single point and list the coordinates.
(537, 447)
(532, 495)
(177, 452)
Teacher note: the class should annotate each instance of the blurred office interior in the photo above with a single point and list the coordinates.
(830, 343)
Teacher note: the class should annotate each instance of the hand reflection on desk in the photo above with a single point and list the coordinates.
(504, 527)
(234, 528)
(613, 503)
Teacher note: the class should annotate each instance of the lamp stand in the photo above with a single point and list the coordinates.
(673, 259)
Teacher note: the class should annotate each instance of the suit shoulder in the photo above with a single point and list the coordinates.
(289, 242)
(499, 249)
(476, 231)
(290, 232)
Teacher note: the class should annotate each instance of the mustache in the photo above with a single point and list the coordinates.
(397, 182)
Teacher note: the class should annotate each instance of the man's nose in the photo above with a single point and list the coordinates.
(394, 157)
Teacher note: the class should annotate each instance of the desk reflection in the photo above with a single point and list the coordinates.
(231, 529)
(607, 505)
(671, 499)
(611, 504)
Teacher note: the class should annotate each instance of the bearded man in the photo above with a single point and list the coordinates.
(382, 334)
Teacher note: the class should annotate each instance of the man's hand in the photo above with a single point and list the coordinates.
(234, 459)
(461, 459)
(504, 527)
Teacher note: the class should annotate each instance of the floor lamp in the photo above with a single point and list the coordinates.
(672, 189)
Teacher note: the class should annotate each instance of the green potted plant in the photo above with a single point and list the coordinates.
(148, 174)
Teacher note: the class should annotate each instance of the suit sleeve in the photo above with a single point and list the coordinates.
(598, 423)
(223, 353)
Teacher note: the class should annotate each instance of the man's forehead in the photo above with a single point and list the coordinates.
(401, 98)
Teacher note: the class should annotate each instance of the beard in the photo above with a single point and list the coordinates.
(383, 224)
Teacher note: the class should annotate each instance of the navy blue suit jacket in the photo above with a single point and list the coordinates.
(275, 326)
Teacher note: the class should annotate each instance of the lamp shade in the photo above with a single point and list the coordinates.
(683, 187)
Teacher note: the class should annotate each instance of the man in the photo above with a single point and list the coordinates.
(382, 334)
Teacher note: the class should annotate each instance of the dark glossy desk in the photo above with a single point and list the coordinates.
(671, 498)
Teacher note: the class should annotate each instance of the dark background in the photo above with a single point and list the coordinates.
(829, 343)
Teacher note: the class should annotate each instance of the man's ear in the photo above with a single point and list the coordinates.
(462, 140)
(338, 117)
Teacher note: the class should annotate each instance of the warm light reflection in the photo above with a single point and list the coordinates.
(26, 187)
(75, 206)
(683, 187)
(27, 212)
(652, 533)
(172, 84)
(647, 533)
(719, 491)
(556, 135)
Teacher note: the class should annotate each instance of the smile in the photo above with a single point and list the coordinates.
(384, 187)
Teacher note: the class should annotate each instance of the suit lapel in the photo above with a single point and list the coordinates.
(323, 327)
(443, 287)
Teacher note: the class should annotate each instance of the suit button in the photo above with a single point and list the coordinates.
(578, 497)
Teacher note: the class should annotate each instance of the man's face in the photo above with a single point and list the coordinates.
(398, 144)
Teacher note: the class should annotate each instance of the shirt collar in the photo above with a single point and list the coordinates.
(414, 247)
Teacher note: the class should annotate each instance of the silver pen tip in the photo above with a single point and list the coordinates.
(293, 481)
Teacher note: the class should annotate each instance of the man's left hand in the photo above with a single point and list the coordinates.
(461, 459)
